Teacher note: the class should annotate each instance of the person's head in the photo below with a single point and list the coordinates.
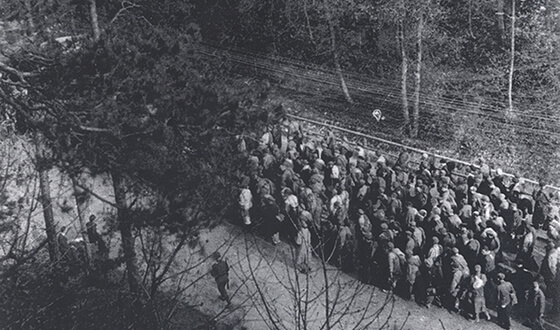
(62, 229)
(501, 277)
(535, 286)
(477, 269)
(217, 255)
(92, 218)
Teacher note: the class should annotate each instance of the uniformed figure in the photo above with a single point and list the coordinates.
(220, 272)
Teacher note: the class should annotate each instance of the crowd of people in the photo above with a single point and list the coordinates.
(424, 230)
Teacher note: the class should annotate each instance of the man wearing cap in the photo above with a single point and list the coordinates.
(220, 272)
(506, 299)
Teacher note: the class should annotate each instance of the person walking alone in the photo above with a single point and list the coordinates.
(220, 272)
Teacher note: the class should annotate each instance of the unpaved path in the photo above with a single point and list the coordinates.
(266, 290)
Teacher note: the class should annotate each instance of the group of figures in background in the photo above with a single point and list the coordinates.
(424, 230)
(73, 252)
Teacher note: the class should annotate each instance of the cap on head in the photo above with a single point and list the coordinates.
(501, 276)
(217, 255)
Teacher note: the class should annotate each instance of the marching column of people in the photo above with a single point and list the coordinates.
(428, 232)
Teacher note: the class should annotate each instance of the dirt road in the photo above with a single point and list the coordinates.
(268, 293)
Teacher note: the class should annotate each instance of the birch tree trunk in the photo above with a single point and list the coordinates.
(417, 78)
(470, 18)
(500, 20)
(336, 57)
(45, 198)
(125, 227)
(94, 20)
(509, 112)
(404, 69)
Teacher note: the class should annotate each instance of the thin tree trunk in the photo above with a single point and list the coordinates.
(470, 18)
(417, 78)
(500, 20)
(404, 70)
(125, 227)
(81, 209)
(547, 15)
(326, 278)
(509, 112)
(337, 60)
(30, 22)
(94, 20)
(308, 24)
(46, 202)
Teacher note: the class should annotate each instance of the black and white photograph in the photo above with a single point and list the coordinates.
(280, 164)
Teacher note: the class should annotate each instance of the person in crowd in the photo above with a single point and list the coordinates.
(303, 243)
(459, 273)
(273, 218)
(365, 246)
(476, 287)
(536, 304)
(394, 269)
(413, 264)
(506, 299)
(366, 208)
(522, 280)
(550, 270)
(245, 202)
(542, 206)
